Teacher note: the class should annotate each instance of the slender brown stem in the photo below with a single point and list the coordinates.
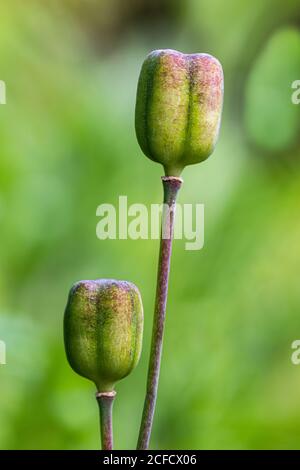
(171, 187)
(105, 401)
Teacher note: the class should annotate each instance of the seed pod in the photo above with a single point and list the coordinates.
(103, 327)
(178, 108)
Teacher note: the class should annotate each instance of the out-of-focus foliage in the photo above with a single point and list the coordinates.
(272, 122)
(67, 144)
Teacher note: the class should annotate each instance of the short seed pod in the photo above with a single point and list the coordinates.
(178, 108)
(103, 327)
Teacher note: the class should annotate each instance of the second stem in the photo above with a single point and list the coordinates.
(171, 186)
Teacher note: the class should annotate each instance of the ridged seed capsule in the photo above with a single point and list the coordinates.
(178, 108)
(103, 327)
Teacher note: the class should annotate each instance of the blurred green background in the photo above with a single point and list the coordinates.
(67, 144)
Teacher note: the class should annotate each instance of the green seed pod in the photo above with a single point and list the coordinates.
(103, 327)
(178, 108)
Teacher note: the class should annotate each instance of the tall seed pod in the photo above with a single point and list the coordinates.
(103, 327)
(177, 120)
(178, 108)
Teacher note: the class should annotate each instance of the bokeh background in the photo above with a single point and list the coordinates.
(67, 144)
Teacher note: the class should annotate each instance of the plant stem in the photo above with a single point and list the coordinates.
(105, 401)
(171, 186)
